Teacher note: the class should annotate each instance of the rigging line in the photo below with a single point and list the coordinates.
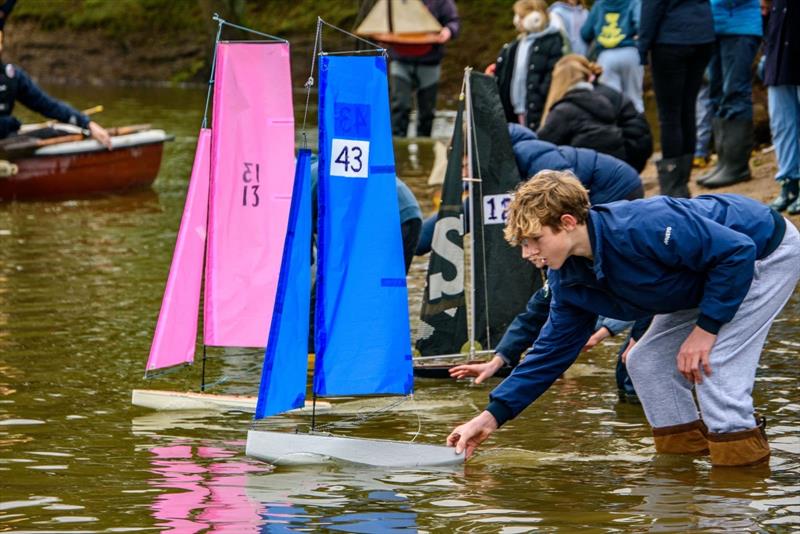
(354, 36)
(310, 81)
(361, 417)
(246, 29)
(483, 236)
(164, 372)
(350, 53)
(419, 420)
(211, 76)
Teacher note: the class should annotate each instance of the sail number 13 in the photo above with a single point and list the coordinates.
(349, 158)
(251, 176)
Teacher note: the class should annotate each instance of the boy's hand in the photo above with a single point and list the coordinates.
(596, 338)
(468, 436)
(694, 353)
(481, 371)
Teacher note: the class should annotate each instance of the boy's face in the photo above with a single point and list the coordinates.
(547, 248)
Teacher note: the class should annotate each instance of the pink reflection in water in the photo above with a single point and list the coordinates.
(212, 494)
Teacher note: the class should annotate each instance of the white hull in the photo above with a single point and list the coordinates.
(187, 400)
(283, 448)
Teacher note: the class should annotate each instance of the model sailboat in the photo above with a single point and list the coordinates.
(501, 281)
(234, 221)
(362, 337)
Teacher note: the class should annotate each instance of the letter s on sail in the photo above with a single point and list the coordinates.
(451, 253)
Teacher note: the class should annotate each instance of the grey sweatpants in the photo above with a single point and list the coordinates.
(725, 397)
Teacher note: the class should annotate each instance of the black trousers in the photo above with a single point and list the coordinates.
(677, 76)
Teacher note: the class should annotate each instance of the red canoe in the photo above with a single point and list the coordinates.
(83, 168)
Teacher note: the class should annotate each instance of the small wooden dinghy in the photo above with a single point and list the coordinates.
(84, 167)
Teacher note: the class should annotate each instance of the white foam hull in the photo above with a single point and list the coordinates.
(188, 400)
(283, 448)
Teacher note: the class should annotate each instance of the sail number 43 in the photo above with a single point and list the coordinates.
(495, 208)
(349, 158)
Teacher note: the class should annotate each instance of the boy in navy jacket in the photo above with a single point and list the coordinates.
(715, 271)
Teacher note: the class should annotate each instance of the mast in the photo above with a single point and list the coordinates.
(471, 225)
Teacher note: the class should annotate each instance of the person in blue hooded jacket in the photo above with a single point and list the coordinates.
(607, 179)
(714, 270)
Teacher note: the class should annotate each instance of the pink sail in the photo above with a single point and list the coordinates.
(252, 171)
(176, 330)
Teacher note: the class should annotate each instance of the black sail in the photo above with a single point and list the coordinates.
(504, 281)
(443, 304)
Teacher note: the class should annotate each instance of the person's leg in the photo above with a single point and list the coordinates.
(784, 122)
(402, 87)
(725, 396)
(632, 74)
(714, 99)
(609, 60)
(410, 231)
(426, 235)
(703, 117)
(695, 67)
(669, 74)
(426, 98)
(665, 394)
(736, 109)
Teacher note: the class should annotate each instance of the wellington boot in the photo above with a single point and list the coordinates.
(672, 177)
(739, 449)
(685, 166)
(716, 124)
(787, 196)
(737, 141)
(688, 438)
(794, 207)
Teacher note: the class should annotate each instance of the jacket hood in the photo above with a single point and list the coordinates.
(519, 133)
(593, 103)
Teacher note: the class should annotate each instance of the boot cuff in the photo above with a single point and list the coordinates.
(747, 447)
(687, 438)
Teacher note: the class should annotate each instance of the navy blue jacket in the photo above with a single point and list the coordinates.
(782, 44)
(16, 85)
(651, 256)
(681, 22)
(606, 178)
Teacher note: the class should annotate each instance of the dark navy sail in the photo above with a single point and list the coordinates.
(362, 335)
(285, 370)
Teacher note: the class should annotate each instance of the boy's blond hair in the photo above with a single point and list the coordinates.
(541, 201)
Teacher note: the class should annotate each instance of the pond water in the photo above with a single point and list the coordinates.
(80, 288)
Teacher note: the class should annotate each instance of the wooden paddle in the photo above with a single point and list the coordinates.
(25, 145)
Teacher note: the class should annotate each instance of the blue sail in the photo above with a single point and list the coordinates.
(362, 336)
(285, 369)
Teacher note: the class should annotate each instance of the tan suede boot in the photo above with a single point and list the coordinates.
(736, 449)
(688, 438)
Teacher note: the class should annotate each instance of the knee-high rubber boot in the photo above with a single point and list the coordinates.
(719, 148)
(672, 178)
(738, 143)
(788, 195)
(401, 105)
(739, 449)
(688, 438)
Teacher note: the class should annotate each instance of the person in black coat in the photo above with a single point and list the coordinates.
(523, 67)
(782, 78)
(580, 114)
